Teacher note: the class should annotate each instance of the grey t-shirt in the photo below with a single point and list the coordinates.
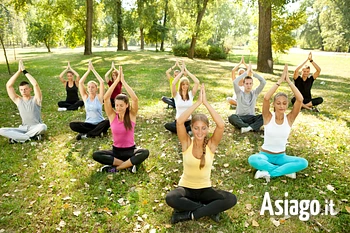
(246, 102)
(29, 111)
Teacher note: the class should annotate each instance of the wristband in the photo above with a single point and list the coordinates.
(311, 61)
(277, 84)
(25, 72)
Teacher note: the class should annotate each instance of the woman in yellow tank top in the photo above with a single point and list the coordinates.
(195, 198)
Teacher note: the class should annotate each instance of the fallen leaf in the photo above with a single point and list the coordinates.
(139, 219)
(226, 165)
(248, 206)
(275, 222)
(246, 224)
(66, 198)
(347, 208)
(330, 187)
(62, 223)
(284, 181)
(255, 223)
(77, 213)
(250, 185)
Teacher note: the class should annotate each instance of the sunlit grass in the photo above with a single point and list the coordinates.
(54, 185)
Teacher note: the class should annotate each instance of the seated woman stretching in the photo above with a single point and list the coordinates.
(72, 101)
(94, 124)
(118, 89)
(195, 198)
(183, 97)
(272, 160)
(124, 154)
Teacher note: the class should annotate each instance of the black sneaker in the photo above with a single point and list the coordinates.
(180, 216)
(12, 141)
(37, 137)
(81, 136)
(215, 217)
(109, 169)
(314, 109)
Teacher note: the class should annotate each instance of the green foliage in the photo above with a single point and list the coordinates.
(181, 50)
(284, 23)
(201, 51)
(216, 53)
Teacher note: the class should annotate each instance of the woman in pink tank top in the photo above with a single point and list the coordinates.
(124, 154)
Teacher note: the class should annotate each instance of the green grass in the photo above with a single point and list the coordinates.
(44, 186)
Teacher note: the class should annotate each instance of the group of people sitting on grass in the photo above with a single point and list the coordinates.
(194, 197)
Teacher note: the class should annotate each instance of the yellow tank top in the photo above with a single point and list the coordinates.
(192, 176)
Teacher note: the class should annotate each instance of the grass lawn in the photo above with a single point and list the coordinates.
(54, 186)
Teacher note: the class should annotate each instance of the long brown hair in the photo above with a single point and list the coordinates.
(127, 121)
(186, 97)
(202, 118)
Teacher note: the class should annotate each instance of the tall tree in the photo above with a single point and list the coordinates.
(88, 28)
(201, 6)
(166, 8)
(120, 25)
(4, 21)
(146, 14)
(265, 60)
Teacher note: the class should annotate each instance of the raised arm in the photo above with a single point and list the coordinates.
(261, 84)
(177, 78)
(195, 80)
(107, 100)
(38, 97)
(82, 89)
(296, 71)
(235, 69)
(102, 87)
(62, 74)
(9, 85)
(184, 138)
(170, 69)
(298, 100)
(267, 97)
(131, 93)
(109, 72)
(220, 124)
(318, 69)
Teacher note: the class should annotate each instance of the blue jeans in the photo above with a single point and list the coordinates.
(277, 164)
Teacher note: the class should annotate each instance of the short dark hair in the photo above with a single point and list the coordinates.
(23, 83)
(247, 77)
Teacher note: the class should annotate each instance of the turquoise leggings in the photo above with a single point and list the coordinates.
(277, 164)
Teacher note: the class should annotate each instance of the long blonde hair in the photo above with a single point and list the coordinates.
(202, 118)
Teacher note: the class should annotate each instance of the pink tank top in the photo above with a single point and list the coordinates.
(122, 138)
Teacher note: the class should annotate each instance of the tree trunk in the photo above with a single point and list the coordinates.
(142, 39)
(164, 24)
(3, 47)
(320, 31)
(265, 60)
(125, 42)
(47, 44)
(88, 31)
(119, 24)
(200, 15)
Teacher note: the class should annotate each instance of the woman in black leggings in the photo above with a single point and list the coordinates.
(195, 198)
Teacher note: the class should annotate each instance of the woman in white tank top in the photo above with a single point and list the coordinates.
(272, 160)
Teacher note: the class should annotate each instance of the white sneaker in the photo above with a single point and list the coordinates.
(262, 174)
(246, 129)
(292, 175)
(133, 170)
(62, 109)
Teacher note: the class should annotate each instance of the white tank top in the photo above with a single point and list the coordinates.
(276, 136)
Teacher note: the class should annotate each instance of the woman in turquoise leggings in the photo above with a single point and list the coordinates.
(272, 160)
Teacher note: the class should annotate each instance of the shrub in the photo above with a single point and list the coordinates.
(201, 52)
(216, 53)
(181, 50)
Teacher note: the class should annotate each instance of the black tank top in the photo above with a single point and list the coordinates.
(72, 93)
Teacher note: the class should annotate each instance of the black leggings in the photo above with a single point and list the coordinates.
(172, 126)
(136, 155)
(90, 130)
(71, 105)
(315, 101)
(201, 202)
